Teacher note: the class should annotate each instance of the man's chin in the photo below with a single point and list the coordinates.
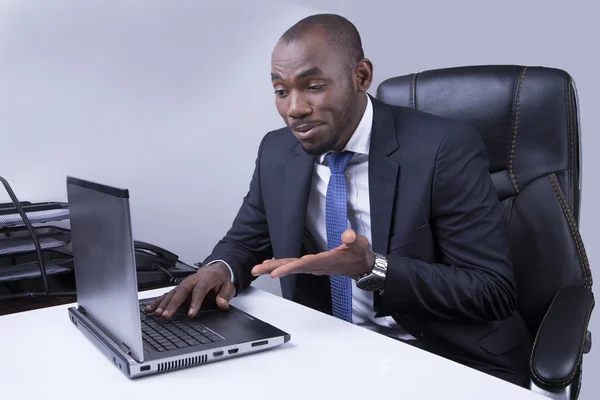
(314, 149)
(319, 147)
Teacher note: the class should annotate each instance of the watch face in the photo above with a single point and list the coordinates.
(370, 283)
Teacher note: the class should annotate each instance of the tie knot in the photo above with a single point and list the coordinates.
(339, 161)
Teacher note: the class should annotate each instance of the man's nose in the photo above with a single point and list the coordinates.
(299, 107)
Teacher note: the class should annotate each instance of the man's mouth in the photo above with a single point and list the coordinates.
(307, 130)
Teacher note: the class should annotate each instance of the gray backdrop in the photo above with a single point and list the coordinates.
(171, 98)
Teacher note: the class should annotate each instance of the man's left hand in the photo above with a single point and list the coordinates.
(352, 259)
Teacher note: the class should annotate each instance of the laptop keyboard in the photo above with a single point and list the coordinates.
(164, 335)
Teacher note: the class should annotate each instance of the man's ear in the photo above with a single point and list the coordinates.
(364, 74)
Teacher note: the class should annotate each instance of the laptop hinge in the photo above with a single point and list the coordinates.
(125, 348)
(81, 309)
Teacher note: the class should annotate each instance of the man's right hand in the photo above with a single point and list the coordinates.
(215, 278)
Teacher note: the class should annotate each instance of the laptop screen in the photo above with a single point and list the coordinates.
(103, 254)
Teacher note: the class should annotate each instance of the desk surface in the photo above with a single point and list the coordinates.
(45, 357)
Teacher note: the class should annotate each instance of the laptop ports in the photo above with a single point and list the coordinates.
(218, 353)
(232, 351)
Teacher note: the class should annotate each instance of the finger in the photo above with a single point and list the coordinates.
(163, 303)
(352, 240)
(225, 294)
(154, 305)
(269, 265)
(308, 264)
(348, 237)
(180, 293)
(198, 294)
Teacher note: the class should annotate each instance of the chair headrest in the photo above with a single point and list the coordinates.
(527, 116)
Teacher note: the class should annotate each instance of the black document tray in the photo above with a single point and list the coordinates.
(31, 270)
(36, 213)
(18, 240)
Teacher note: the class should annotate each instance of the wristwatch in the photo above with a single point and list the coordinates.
(375, 279)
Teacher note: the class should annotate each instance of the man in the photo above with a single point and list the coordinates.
(383, 216)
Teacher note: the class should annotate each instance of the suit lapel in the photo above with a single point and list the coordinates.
(298, 176)
(383, 175)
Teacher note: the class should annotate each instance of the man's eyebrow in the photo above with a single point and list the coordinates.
(310, 72)
(304, 74)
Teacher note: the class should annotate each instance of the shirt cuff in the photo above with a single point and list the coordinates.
(228, 266)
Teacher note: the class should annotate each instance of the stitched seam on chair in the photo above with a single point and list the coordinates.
(570, 146)
(586, 324)
(412, 88)
(576, 236)
(563, 202)
(572, 143)
(512, 150)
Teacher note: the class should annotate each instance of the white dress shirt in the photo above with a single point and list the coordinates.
(359, 219)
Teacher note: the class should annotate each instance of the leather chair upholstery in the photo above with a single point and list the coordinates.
(528, 119)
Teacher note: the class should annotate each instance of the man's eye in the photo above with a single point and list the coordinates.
(315, 88)
(281, 92)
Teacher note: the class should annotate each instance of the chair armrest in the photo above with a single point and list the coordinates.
(562, 337)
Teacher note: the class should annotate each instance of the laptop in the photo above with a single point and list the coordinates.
(111, 316)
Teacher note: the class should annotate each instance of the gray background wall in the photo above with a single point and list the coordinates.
(171, 98)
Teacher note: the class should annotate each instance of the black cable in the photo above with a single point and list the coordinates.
(164, 270)
(36, 243)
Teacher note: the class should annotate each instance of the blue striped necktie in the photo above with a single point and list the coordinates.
(337, 222)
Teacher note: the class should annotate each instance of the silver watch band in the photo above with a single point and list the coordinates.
(375, 279)
(380, 267)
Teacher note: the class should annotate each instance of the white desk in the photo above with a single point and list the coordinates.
(43, 356)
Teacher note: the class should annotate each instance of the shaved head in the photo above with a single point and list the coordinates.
(339, 32)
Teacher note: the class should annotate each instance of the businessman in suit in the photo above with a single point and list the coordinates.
(382, 216)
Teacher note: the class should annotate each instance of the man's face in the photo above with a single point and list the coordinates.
(315, 92)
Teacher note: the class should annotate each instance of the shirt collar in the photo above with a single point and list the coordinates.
(361, 138)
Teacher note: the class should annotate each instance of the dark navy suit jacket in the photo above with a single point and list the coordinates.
(434, 214)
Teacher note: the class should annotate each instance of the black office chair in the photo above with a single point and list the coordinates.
(528, 118)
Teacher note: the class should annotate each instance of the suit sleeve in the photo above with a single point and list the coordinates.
(474, 280)
(247, 242)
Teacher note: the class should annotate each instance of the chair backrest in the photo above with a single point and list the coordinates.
(528, 119)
